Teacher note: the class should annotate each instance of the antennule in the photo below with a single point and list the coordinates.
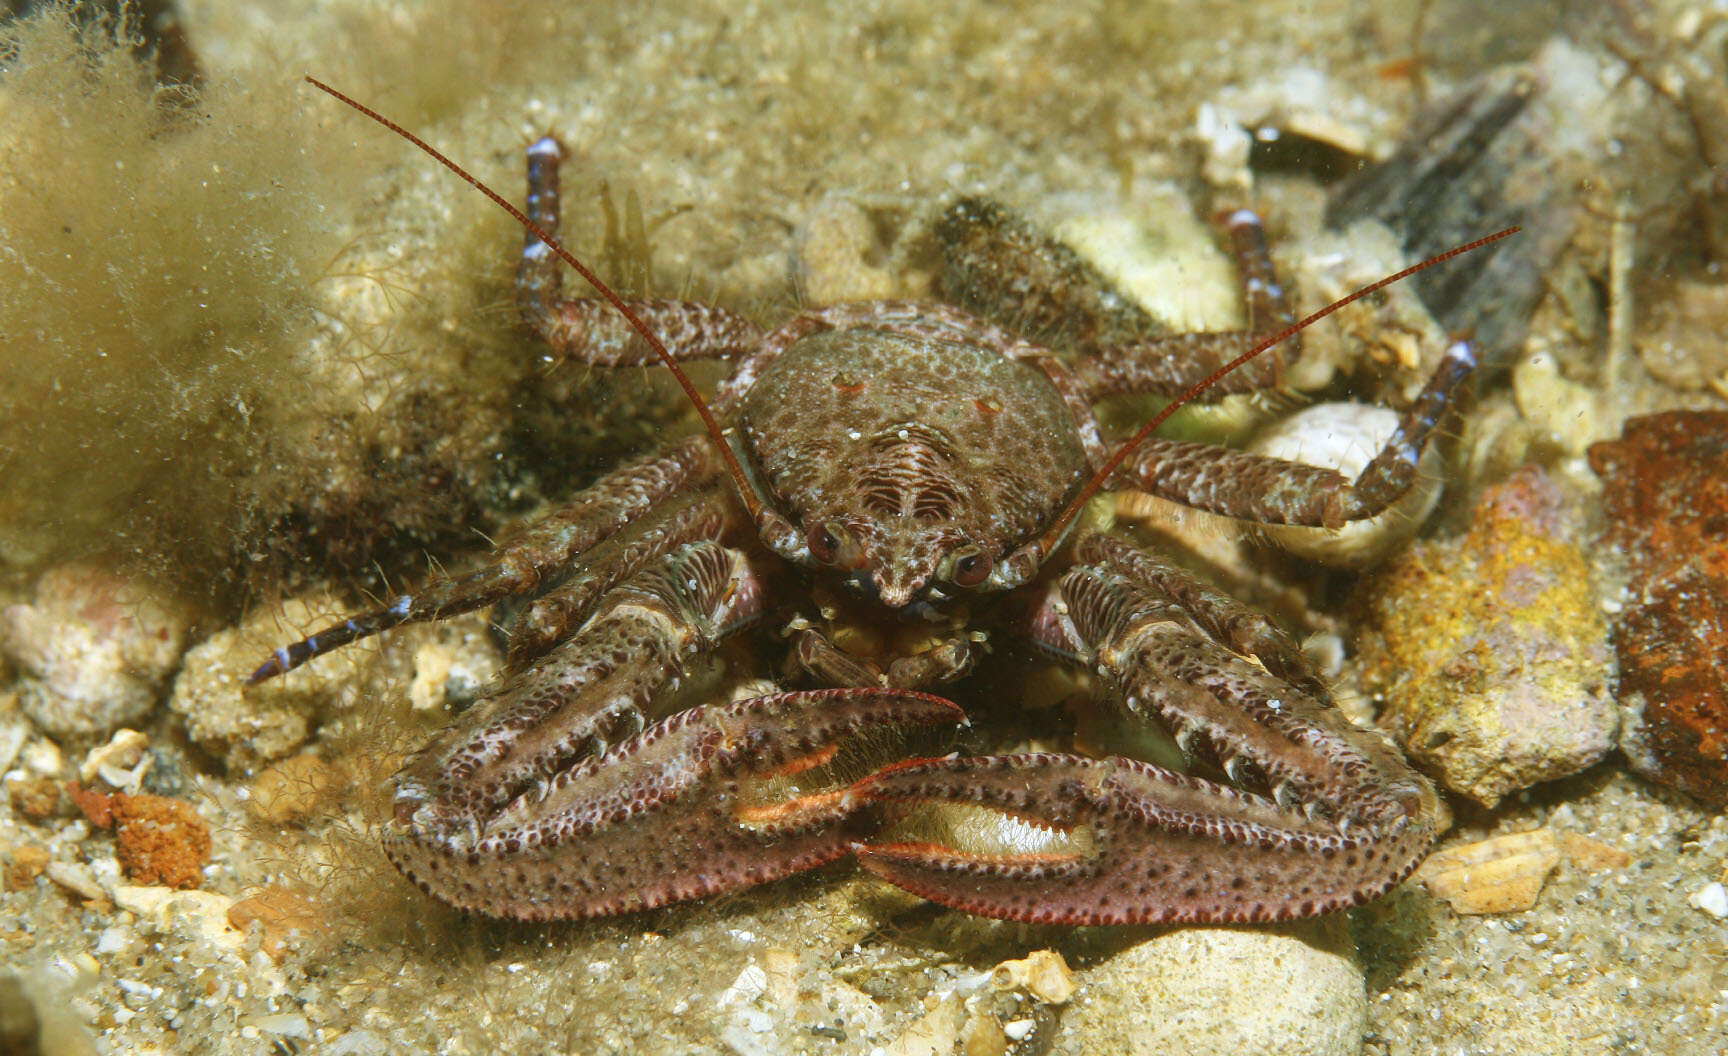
(746, 492)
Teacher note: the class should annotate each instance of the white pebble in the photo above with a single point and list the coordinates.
(1712, 899)
(113, 940)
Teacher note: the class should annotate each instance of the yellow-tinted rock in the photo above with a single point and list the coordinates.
(1489, 649)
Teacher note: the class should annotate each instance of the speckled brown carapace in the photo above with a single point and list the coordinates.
(924, 446)
(886, 490)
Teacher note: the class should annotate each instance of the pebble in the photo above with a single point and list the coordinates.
(1294, 991)
(838, 254)
(123, 751)
(1712, 898)
(1564, 413)
(43, 758)
(1159, 253)
(25, 865)
(94, 651)
(1043, 974)
(76, 880)
(13, 732)
(157, 840)
(292, 790)
(205, 911)
(1503, 874)
(160, 840)
(1489, 649)
(34, 798)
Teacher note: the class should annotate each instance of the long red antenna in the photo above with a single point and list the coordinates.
(1048, 541)
(746, 492)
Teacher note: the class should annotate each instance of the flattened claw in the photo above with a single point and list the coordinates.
(1074, 840)
(710, 800)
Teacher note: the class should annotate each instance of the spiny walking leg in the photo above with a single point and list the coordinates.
(618, 499)
(1267, 490)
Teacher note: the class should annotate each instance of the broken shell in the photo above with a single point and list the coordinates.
(1504, 874)
(1042, 973)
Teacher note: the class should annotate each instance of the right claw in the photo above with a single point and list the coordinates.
(712, 799)
(1075, 840)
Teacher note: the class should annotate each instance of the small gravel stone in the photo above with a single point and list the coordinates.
(26, 864)
(1712, 899)
(1504, 874)
(76, 880)
(34, 798)
(1043, 974)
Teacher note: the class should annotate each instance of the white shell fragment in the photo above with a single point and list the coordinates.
(1346, 437)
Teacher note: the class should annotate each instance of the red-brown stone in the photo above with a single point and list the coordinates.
(1666, 499)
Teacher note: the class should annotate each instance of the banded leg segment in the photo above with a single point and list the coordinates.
(587, 328)
(645, 637)
(618, 499)
(1172, 364)
(1273, 491)
(1322, 816)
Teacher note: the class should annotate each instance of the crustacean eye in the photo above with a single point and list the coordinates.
(968, 566)
(831, 544)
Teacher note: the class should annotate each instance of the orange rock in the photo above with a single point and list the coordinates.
(160, 840)
(1665, 493)
(97, 806)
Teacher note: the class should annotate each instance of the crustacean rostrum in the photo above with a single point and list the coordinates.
(918, 471)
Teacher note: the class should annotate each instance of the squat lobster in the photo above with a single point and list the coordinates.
(917, 471)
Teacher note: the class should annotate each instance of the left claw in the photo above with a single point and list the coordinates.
(1073, 840)
(712, 799)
